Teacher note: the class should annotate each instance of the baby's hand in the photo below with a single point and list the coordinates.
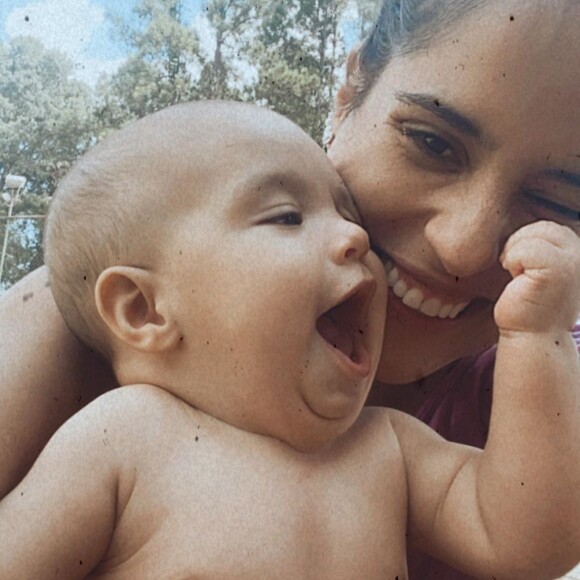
(544, 260)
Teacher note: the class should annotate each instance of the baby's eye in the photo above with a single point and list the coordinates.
(288, 218)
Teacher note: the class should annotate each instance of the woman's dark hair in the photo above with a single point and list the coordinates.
(402, 27)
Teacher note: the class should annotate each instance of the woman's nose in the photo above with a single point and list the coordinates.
(467, 235)
(352, 242)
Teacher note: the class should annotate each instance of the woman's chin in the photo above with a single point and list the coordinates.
(417, 345)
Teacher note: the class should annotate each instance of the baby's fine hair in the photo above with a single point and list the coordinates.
(89, 223)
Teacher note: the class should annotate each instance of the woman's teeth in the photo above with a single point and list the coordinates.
(415, 299)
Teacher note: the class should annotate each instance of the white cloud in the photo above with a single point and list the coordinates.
(66, 25)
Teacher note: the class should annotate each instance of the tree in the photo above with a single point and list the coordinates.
(159, 72)
(230, 21)
(289, 50)
(45, 114)
(284, 54)
(24, 239)
(298, 53)
(45, 124)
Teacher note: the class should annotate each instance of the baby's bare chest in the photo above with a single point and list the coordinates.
(214, 513)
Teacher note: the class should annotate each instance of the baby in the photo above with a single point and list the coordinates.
(211, 252)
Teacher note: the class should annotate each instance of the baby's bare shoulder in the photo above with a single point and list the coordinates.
(378, 417)
(390, 429)
(138, 399)
(130, 416)
(129, 402)
(377, 427)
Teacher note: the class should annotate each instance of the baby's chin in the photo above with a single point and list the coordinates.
(313, 433)
(318, 437)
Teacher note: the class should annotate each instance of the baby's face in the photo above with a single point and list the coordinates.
(279, 301)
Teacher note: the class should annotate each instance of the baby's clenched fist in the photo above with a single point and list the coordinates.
(544, 294)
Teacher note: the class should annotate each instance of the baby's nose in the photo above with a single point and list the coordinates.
(352, 243)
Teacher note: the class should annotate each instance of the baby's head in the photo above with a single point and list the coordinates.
(211, 249)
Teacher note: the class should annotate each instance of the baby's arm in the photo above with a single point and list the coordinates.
(59, 520)
(46, 375)
(512, 511)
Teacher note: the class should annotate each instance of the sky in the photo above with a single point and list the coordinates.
(80, 29)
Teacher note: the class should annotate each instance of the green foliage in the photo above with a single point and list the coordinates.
(45, 124)
(158, 73)
(298, 53)
(24, 239)
(293, 91)
(45, 114)
(284, 54)
(231, 21)
(294, 47)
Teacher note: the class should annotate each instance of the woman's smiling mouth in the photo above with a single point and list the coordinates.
(422, 297)
(427, 302)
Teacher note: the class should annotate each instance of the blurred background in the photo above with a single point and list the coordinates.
(71, 71)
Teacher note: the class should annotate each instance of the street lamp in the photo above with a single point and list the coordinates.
(12, 183)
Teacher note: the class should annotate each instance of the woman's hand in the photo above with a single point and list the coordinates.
(46, 375)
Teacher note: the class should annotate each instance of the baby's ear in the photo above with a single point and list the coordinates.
(127, 301)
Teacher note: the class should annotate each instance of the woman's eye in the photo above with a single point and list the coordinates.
(430, 142)
(562, 213)
(288, 218)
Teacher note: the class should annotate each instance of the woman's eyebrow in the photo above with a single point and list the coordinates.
(447, 113)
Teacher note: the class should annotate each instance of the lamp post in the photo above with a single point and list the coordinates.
(12, 182)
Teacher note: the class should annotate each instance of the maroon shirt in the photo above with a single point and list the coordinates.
(458, 408)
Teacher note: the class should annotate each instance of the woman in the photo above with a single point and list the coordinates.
(458, 124)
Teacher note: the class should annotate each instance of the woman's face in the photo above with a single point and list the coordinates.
(454, 149)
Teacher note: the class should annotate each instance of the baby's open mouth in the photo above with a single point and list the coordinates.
(344, 325)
